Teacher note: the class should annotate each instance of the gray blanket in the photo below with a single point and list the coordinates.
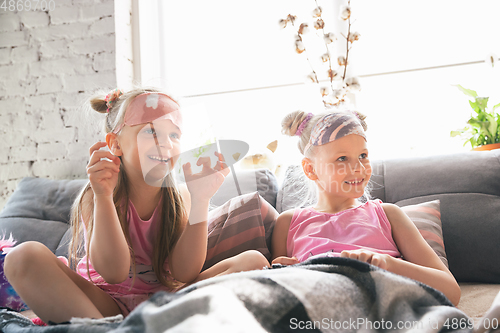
(319, 295)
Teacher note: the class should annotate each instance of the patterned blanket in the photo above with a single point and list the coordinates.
(319, 295)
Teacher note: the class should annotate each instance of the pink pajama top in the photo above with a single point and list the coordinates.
(126, 294)
(313, 233)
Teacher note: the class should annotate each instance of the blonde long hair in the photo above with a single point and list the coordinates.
(172, 206)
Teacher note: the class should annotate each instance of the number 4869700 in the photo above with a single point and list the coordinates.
(27, 5)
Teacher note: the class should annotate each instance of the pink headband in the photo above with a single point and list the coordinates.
(151, 106)
(334, 126)
(303, 124)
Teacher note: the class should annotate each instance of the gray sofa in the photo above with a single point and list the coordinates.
(467, 184)
(39, 208)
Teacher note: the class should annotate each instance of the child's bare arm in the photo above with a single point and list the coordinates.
(421, 262)
(279, 239)
(109, 252)
(190, 252)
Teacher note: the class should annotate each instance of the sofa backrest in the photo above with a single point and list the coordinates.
(468, 186)
(260, 180)
(39, 208)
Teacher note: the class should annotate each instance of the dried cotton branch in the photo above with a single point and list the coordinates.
(319, 24)
(303, 29)
(329, 37)
(312, 77)
(345, 12)
(317, 12)
(330, 95)
(352, 84)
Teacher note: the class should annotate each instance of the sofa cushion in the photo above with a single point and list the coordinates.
(39, 210)
(47, 232)
(43, 199)
(238, 226)
(295, 190)
(427, 218)
(471, 226)
(477, 299)
(260, 180)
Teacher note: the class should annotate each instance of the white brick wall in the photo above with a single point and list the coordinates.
(49, 62)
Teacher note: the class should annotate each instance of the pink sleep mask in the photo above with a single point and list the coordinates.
(151, 106)
(334, 126)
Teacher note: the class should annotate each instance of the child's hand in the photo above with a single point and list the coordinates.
(204, 184)
(103, 174)
(374, 258)
(286, 261)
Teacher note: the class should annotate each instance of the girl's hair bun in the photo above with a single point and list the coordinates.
(361, 118)
(98, 104)
(292, 121)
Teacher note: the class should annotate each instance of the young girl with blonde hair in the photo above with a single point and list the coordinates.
(336, 159)
(141, 232)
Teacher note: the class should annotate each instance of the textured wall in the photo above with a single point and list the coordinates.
(49, 62)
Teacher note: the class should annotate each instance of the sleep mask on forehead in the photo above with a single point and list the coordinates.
(149, 107)
(334, 126)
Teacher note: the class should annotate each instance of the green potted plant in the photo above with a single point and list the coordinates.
(483, 130)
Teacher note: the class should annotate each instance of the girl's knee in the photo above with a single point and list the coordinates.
(252, 259)
(22, 257)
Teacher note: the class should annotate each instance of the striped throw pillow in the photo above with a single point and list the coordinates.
(427, 218)
(238, 226)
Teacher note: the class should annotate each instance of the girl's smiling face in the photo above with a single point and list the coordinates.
(151, 150)
(342, 167)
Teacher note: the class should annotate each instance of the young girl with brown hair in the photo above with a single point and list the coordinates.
(142, 233)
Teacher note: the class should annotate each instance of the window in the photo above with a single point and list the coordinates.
(428, 46)
(230, 61)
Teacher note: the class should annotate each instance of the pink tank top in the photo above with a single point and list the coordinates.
(141, 236)
(313, 233)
